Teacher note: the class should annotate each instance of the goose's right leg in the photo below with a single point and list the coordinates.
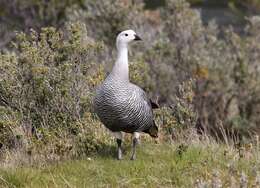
(136, 136)
(119, 138)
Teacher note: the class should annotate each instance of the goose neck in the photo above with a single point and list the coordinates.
(120, 68)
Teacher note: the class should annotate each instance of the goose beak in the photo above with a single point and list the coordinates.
(137, 37)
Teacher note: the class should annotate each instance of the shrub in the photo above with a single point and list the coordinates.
(222, 62)
(48, 83)
(110, 17)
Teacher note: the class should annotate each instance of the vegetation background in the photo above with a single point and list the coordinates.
(199, 59)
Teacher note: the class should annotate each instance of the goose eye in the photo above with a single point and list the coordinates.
(126, 34)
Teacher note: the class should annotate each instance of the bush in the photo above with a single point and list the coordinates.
(222, 63)
(48, 84)
(110, 17)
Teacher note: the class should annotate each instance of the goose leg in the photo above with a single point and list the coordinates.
(119, 137)
(136, 136)
(119, 151)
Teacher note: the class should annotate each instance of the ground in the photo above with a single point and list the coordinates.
(157, 165)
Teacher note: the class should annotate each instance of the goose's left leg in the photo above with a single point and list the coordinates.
(119, 138)
(136, 136)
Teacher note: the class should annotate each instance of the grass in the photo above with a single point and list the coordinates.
(157, 165)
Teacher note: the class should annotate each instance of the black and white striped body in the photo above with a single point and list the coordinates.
(123, 106)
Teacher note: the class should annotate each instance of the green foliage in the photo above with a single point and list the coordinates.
(139, 74)
(26, 14)
(49, 83)
(184, 111)
(53, 70)
(224, 68)
(35, 13)
(109, 17)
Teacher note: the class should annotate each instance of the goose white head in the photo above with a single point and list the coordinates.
(125, 37)
(120, 69)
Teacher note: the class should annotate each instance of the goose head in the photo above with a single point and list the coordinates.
(125, 37)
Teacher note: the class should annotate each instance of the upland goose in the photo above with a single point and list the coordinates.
(121, 105)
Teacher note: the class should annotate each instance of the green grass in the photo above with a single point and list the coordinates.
(157, 165)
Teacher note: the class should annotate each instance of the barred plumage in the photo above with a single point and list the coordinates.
(123, 106)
